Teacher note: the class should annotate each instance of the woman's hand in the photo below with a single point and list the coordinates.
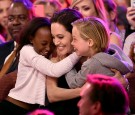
(123, 80)
(131, 16)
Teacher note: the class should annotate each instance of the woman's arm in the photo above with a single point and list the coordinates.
(56, 93)
(123, 80)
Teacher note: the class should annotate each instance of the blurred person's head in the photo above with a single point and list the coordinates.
(111, 11)
(19, 14)
(49, 7)
(64, 3)
(61, 30)
(90, 8)
(122, 22)
(40, 112)
(103, 95)
(124, 3)
(4, 6)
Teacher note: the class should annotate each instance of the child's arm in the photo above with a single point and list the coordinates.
(31, 58)
(77, 79)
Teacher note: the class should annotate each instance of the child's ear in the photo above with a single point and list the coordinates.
(90, 42)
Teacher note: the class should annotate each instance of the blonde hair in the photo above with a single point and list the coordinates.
(95, 29)
(98, 5)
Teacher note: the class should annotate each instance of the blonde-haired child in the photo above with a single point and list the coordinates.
(91, 39)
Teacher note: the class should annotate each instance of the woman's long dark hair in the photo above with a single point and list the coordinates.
(65, 17)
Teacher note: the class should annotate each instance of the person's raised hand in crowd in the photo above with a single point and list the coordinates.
(131, 16)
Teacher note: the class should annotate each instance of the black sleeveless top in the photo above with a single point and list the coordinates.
(67, 107)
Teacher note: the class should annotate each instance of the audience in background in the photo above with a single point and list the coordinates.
(110, 7)
(18, 16)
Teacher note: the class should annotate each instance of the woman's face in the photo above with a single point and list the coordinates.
(4, 6)
(62, 39)
(86, 8)
(49, 10)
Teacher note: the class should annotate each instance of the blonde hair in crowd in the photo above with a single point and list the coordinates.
(95, 29)
(99, 7)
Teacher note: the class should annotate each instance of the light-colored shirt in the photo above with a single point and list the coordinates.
(32, 70)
